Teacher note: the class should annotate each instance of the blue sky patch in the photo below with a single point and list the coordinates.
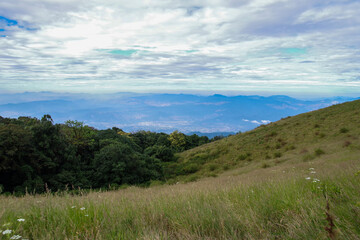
(294, 51)
(7, 21)
(126, 53)
(191, 51)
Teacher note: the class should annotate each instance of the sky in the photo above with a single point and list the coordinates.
(290, 47)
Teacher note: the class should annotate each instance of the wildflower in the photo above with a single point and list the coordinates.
(86, 215)
(6, 224)
(316, 180)
(82, 208)
(308, 178)
(7, 231)
(313, 172)
(311, 169)
(21, 220)
(73, 207)
(16, 237)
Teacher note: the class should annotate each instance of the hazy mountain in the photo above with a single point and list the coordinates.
(161, 112)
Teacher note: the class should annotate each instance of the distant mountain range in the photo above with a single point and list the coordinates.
(187, 113)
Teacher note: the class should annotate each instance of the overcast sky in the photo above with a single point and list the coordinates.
(291, 47)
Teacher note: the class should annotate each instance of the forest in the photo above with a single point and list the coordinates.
(37, 155)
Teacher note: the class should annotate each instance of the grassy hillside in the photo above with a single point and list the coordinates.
(332, 133)
(310, 191)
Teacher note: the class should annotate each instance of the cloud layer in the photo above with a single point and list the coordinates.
(274, 46)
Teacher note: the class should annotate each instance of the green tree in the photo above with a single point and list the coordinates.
(164, 153)
(178, 140)
(119, 163)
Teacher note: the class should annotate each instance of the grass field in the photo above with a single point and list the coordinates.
(311, 190)
(272, 203)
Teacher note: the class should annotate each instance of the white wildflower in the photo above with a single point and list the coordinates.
(311, 169)
(82, 208)
(73, 207)
(316, 180)
(308, 178)
(86, 215)
(16, 237)
(7, 231)
(312, 172)
(21, 220)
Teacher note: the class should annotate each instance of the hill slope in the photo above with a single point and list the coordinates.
(330, 133)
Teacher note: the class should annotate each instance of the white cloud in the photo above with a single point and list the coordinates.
(262, 45)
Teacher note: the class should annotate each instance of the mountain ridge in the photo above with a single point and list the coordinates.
(161, 112)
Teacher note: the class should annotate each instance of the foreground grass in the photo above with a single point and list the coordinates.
(272, 203)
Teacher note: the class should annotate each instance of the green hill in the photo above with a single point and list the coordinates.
(331, 133)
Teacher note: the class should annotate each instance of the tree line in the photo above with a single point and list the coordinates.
(37, 155)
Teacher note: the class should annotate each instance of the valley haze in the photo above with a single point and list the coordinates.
(189, 113)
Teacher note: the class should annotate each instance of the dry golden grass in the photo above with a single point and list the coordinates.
(262, 204)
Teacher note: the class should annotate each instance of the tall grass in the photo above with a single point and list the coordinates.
(272, 203)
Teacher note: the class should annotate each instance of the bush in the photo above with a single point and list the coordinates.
(191, 168)
(319, 152)
(277, 155)
(213, 166)
(265, 165)
(225, 167)
(242, 157)
(344, 130)
(192, 178)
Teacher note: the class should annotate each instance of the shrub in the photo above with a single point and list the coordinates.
(242, 157)
(213, 166)
(192, 178)
(191, 168)
(319, 152)
(272, 134)
(344, 130)
(211, 175)
(265, 165)
(225, 167)
(291, 147)
(277, 155)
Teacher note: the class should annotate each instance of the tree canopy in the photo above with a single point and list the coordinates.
(36, 155)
